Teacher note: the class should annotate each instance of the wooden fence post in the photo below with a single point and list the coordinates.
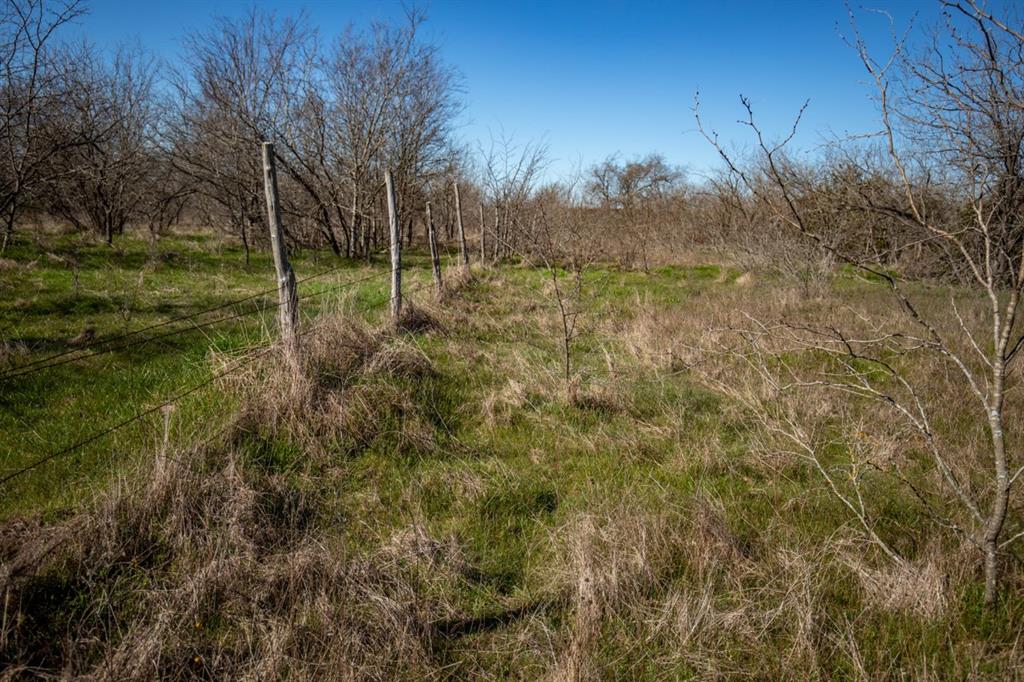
(483, 241)
(463, 251)
(396, 249)
(497, 235)
(286, 288)
(435, 258)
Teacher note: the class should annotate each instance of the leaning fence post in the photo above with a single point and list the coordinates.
(483, 241)
(463, 251)
(435, 258)
(396, 249)
(286, 289)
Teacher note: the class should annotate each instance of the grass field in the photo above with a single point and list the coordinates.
(56, 290)
(436, 506)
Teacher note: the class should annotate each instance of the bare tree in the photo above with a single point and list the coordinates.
(511, 172)
(30, 94)
(392, 104)
(952, 126)
(228, 99)
(100, 185)
(631, 190)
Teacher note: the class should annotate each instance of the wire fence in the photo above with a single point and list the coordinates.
(177, 397)
(103, 346)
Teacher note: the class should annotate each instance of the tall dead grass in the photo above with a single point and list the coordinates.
(204, 564)
(355, 386)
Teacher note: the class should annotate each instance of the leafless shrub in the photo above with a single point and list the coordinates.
(939, 151)
(560, 245)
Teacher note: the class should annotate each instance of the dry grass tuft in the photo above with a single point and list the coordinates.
(610, 562)
(456, 280)
(12, 353)
(599, 397)
(199, 565)
(417, 320)
(354, 386)
(682, 582)
(503, 404)
(399, 359)
(919, 588)
(746, 279)
(713, 546)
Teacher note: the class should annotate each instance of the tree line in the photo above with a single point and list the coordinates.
(103, 141)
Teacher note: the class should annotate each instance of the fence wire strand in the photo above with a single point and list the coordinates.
(61, 359)
(18, 371)
(176, 398)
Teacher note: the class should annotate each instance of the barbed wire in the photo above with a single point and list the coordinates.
(61, 359)
(130, 420)
(17, 371)
(170, 401)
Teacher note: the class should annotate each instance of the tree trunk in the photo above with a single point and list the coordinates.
(328, 232)
(368, 239)
(1000, 504)
(497, 232)
(9, 224)
(483, 240)
(245, 240)
(353, 216)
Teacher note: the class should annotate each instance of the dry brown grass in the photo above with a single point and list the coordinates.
(920, 587)
(417, 318)
(12, 353)
(610, 561)
(504, 403)
(351, 382)
(201, 565)
(680, 581)
(234, 589)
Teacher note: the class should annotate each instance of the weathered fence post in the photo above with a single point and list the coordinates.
(286, 289)
(435, 258)
(396, 249)
(463, 251)
(483, 241)
(497, 235)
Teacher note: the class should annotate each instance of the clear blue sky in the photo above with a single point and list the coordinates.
(601, 77)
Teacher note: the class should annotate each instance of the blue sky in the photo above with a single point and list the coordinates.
(602, 77)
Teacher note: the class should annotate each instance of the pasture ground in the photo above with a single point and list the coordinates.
(625, 528)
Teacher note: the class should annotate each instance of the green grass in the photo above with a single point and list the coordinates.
(508, 484)
(55, 288)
